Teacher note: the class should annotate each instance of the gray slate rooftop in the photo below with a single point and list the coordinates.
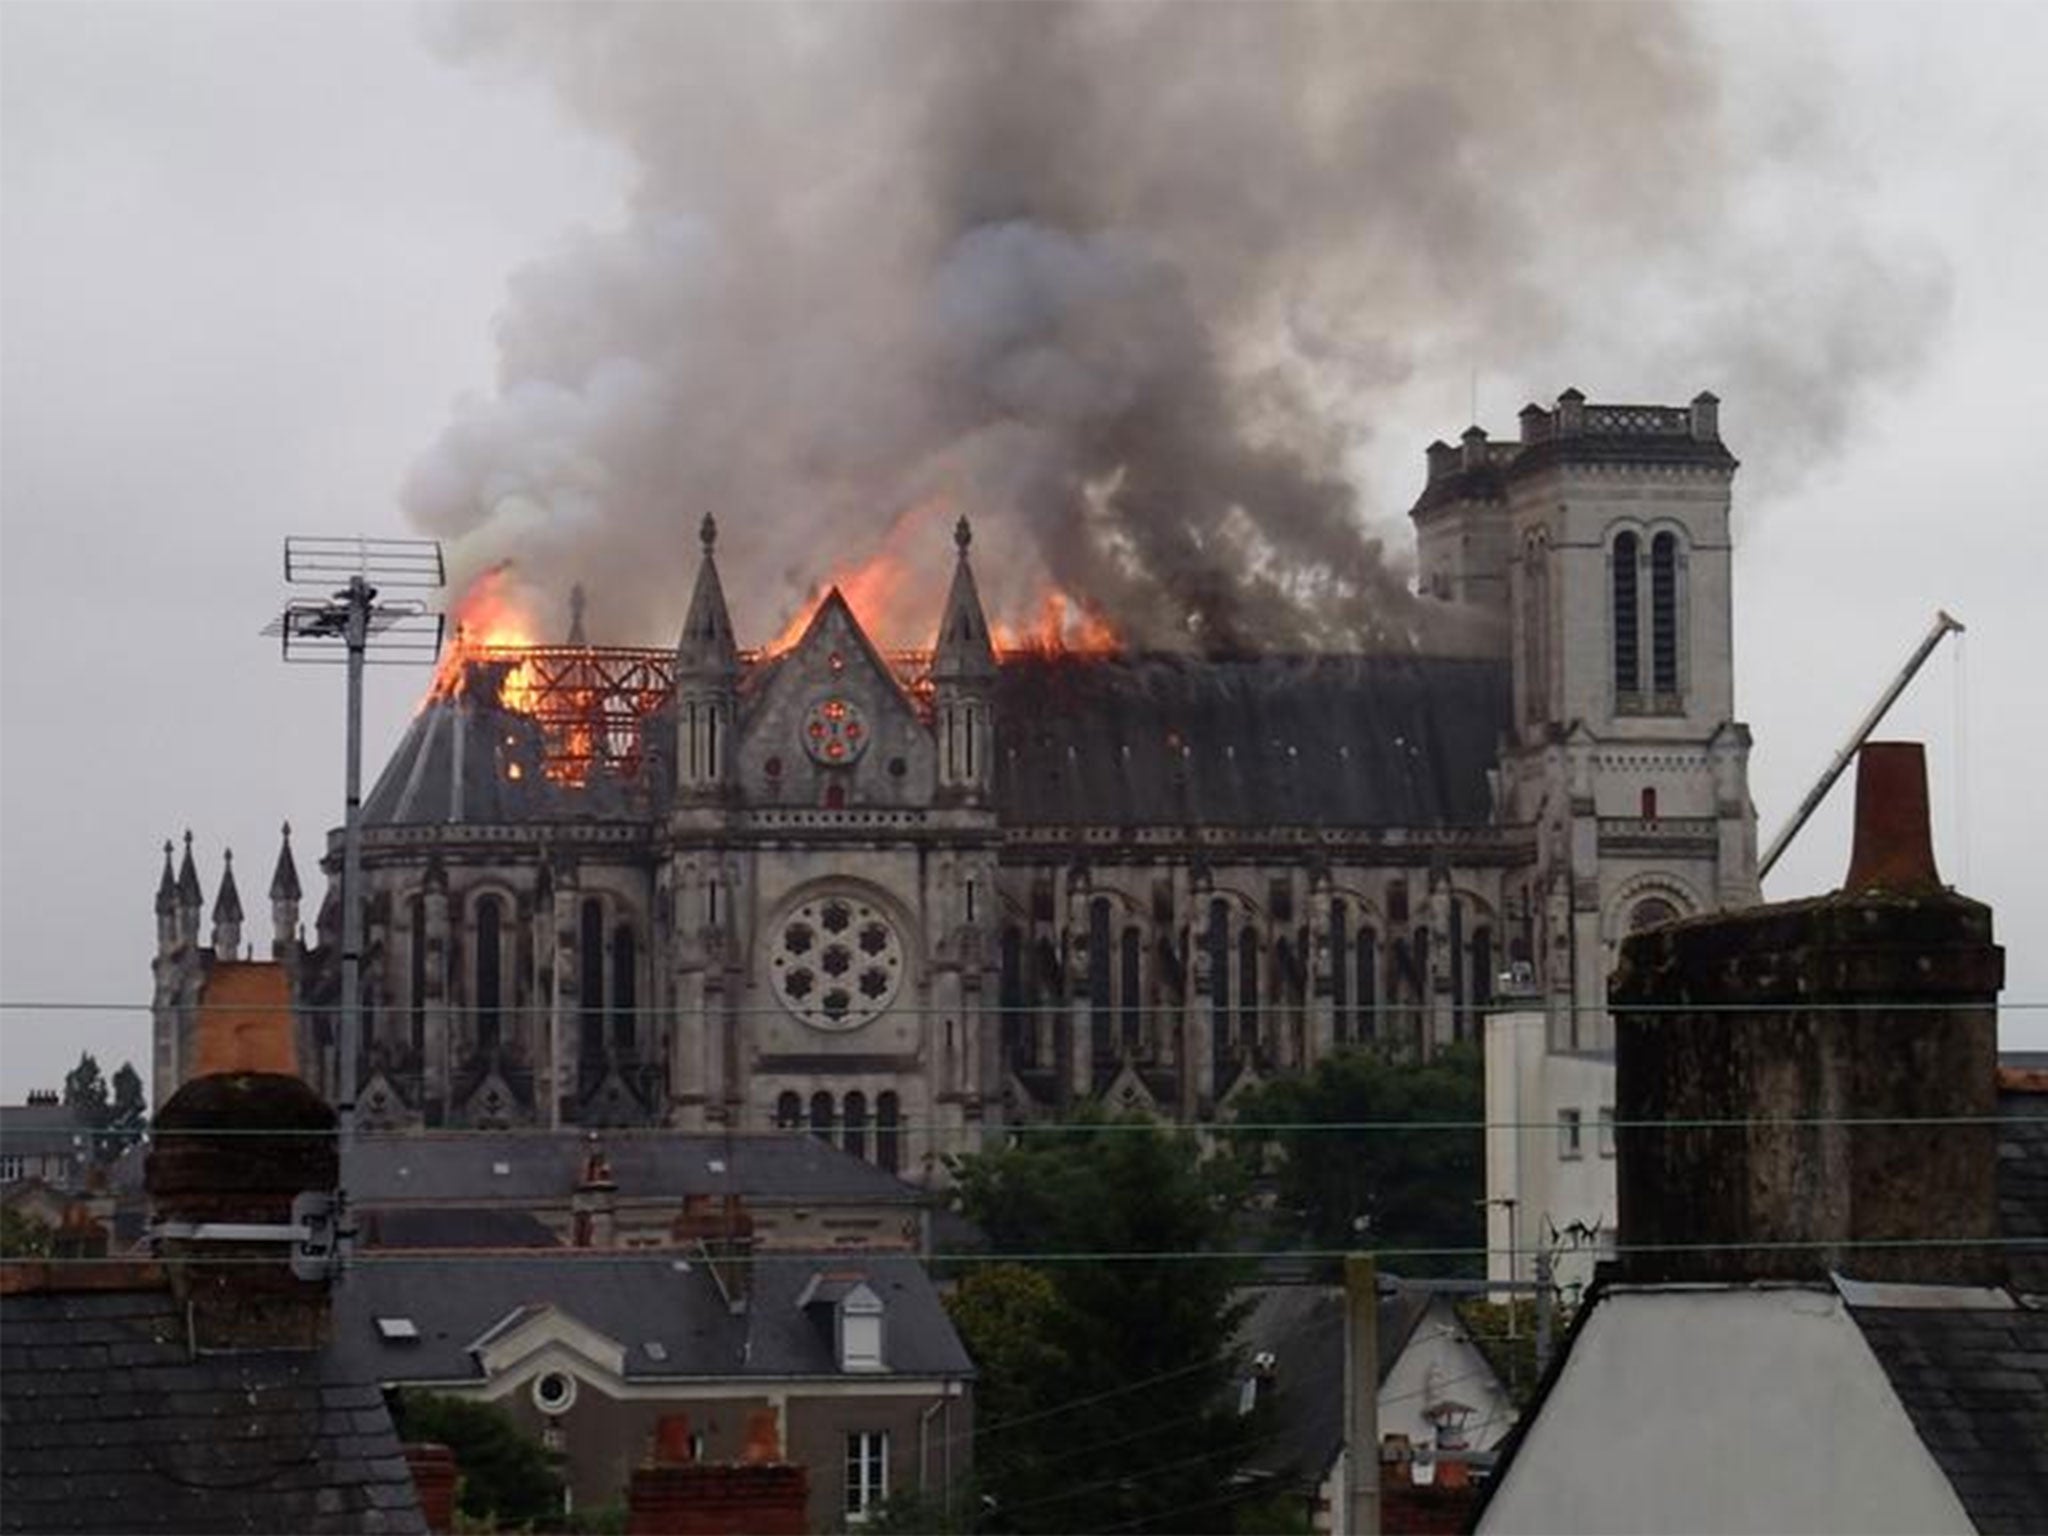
(2023, 1185)
(461, 1167)
(1332, 740)
(636, 1298)
(1975, 1384)
(111, 1425)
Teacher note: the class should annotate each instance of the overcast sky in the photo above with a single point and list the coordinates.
(252, 256)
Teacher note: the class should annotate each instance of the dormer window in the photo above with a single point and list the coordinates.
(860, 1331)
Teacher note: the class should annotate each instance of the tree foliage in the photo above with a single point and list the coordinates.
(507, 1477)
(85, 1090)
(1341, 1180)
(24, 1237)
(116, 1115)
(1103, 1398)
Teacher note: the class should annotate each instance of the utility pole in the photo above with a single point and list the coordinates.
(1361, 1395)
(1542, 1309)
(347, 628)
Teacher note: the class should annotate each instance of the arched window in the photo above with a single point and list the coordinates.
(1017, 1035)
(888, 1138)
(1664, 619)
(789, 1112)
(1626, 618)
(416, 1001)
(1651, 912)
(1535, 629)
(1131, 990)
(835, 796)
(1365, 1022)
(1340, 969)
(1248, 985)
(1219, 970)
(490, 918)
(625, 979)
(854, 1125)
(590, 982)
(821, 1115)
(1099, 960)
(1482, 972)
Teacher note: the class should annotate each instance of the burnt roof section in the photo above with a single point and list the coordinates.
(112, 1425)
(1363, 741)
(1974, 1382)
(470, 760)
(461, 1167)
(635, 1298)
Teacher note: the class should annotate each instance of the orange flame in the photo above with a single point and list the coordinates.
(1063, 626)
(488, 615)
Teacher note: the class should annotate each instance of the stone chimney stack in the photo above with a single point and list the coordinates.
(1771, 1062)
(229, 1151)
(594, 1207)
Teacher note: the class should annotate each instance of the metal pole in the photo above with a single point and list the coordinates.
(359, 596)
(1542, 1310)
(1943, 623)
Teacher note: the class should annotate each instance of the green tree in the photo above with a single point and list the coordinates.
(24, 1237)
(127, 1116)
(85, 1090)
(507, 1477)
(1343, 1180)
(1105, 1349)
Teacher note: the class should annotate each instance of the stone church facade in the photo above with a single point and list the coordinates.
(896, 899)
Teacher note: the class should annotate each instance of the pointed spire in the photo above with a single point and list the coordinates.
(577, 600)
(189, 893)
(167, 887)
(284, 880)
(964, 648)
(707, 643)
(227, 901)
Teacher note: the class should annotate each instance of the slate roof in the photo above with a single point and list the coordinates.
(461, 1168)
(43, 1130)
(456, 1227)
(1352, 741)
(452, 765)
(110, 1424)
(2023, 1173)
(1974, 1381)
(1302, 1327)
(636, 1298)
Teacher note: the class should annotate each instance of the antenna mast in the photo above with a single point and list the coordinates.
(351, 628)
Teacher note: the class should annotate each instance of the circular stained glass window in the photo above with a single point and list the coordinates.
(835, 962)
(835, 730)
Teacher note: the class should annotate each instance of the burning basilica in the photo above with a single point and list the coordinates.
(896, 898)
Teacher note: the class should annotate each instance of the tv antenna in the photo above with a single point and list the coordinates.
(352, 628)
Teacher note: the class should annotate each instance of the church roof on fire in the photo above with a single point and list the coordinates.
(1363, 741)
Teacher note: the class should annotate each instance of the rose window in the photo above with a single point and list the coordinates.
(835, 731)
(836, 962)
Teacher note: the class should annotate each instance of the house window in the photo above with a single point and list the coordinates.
(867, 1472)
(1605, 1131)
(11, 1168)
(1570, 1140)
(860, 1335)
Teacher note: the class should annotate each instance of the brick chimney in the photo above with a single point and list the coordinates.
(1821, 1023)
(594, 1205)
(233, 1150)
(672, 1494)
(433, 1478)
(723, 1232)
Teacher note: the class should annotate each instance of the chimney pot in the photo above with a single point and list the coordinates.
(1443, 459)
(1706, 417)
(1474, 452)
(672, 1440)
(1894, 846)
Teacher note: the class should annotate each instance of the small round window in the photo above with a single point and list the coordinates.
(554, 1391)
(835, 962)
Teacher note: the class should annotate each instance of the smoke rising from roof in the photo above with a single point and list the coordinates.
(1129, 285)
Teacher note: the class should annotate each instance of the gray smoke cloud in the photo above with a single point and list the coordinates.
(1129, 285)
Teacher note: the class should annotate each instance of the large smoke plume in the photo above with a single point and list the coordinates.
(1130, 285)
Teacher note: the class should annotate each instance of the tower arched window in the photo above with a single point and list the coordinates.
(625, 983)
(1219, 970)
(1016, 1032)
(821, 1115)
(490, 920)
(1535, 629)
(888, 1133)
(1626, 621)
(590, 981)
(854, 1125)
(1664, 619)
(789, 1112)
